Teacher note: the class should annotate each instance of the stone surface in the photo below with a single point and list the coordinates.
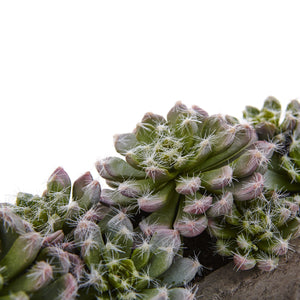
(229, 284)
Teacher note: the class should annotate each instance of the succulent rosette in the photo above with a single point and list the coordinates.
(185, 169)
(258, 231)
(91, 251)
(284, 167)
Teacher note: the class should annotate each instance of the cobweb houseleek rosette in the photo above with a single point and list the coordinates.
(176, 169)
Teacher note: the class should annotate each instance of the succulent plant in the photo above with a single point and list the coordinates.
(284, 172)
(92, 252)
(194, 171)
(180, 176)
(20, 274)
(184, 169)
(49, 212)
(259, 230)
(122, 264)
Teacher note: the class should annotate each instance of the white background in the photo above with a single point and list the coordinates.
(74, 73)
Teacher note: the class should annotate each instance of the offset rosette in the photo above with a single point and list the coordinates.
(21, 275)
(284, 167)
(185, 169)
(94, 253)
(122, 264)
(258, 231)
(60, 203)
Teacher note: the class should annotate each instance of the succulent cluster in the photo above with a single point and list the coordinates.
(284, 167)
(181, 175)
(184, 169)
(258, 231)
(90, 251)
(48, 212)
(193, 172)
(20, 245)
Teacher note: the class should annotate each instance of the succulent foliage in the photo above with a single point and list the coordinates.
(258, 231)
(185, 169)
(91, 251)
(284, 167)
(181, 175)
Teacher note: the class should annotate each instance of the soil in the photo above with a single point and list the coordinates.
(202, 247)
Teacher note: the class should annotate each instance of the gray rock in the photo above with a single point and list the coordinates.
(280, 284)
